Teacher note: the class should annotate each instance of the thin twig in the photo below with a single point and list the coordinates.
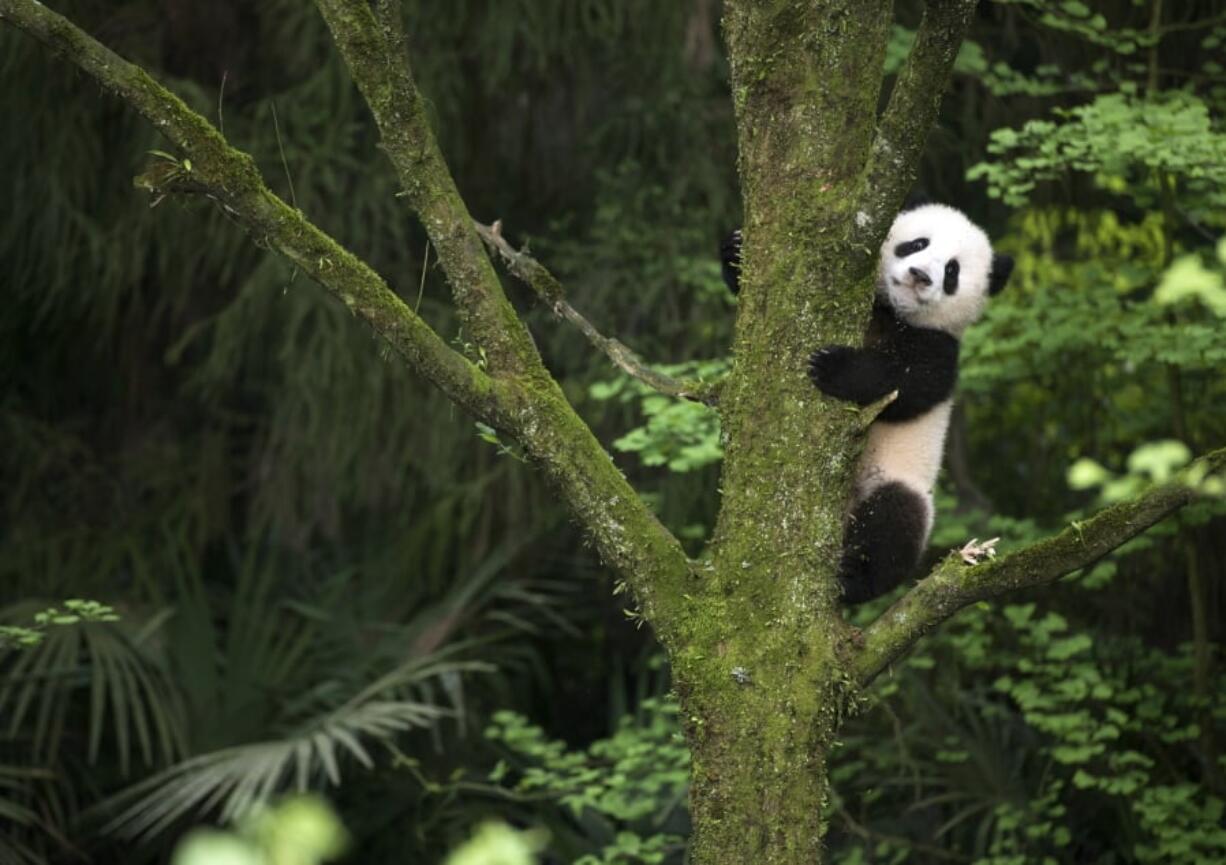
(540, 280)
(870, 412)
(421, 289)
(221, 95)
(293, 198)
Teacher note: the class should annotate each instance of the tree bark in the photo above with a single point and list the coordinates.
(759, 748)
(765, 671)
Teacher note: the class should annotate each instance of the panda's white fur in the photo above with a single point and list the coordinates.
(910, 451)
(950, 236)
(935, 274)
(912, 347)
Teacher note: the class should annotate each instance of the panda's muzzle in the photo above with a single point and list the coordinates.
(920, 277)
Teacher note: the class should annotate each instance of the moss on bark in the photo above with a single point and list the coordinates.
(767, 669)
(377, 57)
(761, 676)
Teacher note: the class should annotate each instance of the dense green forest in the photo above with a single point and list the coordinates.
(244, 552)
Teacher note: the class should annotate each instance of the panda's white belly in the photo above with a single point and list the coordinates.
(909, 452)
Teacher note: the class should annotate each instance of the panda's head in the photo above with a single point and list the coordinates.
(938, 269)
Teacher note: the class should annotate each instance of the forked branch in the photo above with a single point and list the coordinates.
(210, 166)
(520, 397)
(953, 585)
(372, 43)
(537, 277)
(912, 110)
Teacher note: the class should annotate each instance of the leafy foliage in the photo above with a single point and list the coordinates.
(991, 740)
(679, 434)
(1151, 463)
(621, 799)
(297, 831)
(999, 78)
(1126, 143)
(75, 611)
(1080, 318)
(1011, 768)
(498, 844)
(1188, 278)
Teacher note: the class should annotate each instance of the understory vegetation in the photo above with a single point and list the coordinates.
(245, 554)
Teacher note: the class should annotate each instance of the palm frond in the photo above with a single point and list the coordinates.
(32, 813)
(233, 780)
(130, 693)
(13, 852)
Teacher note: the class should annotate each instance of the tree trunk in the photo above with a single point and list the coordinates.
(759, 780)
(759, 673)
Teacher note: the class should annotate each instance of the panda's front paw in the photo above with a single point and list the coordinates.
(730, 261)
(826, 367)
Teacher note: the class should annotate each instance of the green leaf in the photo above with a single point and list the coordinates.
(1188, 278)
(1086, 473)
(205, 847)
(1159, 460)
(498, 844)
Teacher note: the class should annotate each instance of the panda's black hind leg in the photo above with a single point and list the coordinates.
(883, 541)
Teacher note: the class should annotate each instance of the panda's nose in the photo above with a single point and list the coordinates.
(920, 277)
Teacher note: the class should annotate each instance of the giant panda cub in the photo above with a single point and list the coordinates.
(936, 273)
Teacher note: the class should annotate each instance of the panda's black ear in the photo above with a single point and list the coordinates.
(917, 197)
(1002, 267)
(730, 261)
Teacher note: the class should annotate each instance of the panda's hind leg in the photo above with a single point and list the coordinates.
(883, 541)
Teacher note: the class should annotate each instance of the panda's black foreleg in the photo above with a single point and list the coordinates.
(883, 541)
(859, 375)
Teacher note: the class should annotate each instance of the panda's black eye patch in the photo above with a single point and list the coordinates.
(952, 269)
(910, 247)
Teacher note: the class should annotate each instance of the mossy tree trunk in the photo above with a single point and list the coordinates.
(760, 674)
(764, 673)
(764, 663)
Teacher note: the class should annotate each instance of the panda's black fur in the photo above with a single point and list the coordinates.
(937, 270)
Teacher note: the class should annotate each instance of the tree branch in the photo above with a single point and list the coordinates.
(914, 104)
(211, 167)
(954, 585)
(547, 287)
(376, 53)
(628, 535)
(530, 406)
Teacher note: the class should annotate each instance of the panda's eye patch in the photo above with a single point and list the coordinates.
(951, 275)
(910, 247)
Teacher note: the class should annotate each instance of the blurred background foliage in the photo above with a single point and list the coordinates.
(308, 572)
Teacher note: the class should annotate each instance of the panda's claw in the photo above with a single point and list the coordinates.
(730, 261)
(824, 365)
(973, 551)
